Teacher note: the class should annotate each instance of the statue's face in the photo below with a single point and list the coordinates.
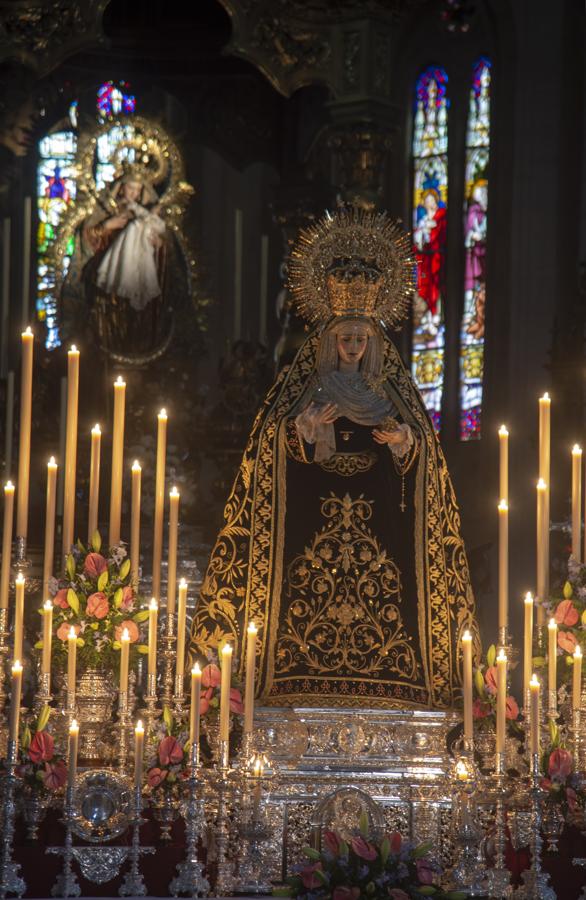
(131, 191)
(351, 341)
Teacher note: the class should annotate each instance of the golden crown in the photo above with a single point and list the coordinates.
(352, 262)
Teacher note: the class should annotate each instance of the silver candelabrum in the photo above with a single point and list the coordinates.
(498, 878)
(190, 879)
(10, 880)
(535, 880)
(67, 884)
(133, 884)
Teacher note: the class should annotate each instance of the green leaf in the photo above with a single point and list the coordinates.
(491, 655)
(44, 717)
(94, 626)
(73, 601)
(40, 775)
(96, 541)
(422, 850)
(553, 731)
(80, 546)
(116, 645)
(25, 738)
(118, 598)
(568, 591)
(142, 648)
(385, 849)
(80, 642)
(539, 662)
(141, 616)
(282, 891)
(311, 853)
(70, 567)
(479, 682)
(103, 580)
(124, 569)
(39, 645)
(428, 890)
(363, 824)
(168, 718)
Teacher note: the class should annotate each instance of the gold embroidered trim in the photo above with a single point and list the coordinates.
(294, 443)
(348, 464)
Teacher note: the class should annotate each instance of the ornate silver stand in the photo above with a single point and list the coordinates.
(468, 873)
(133, 884)
(4, 654)
(190, 879)
(535, 880)
(168, 641)
(10, 880)
(225, 877)
(498, 879)
(179, 698)
(67, 884)
(123, 725)
(151, 712)
(24, 565)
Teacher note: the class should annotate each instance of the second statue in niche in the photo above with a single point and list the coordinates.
(342, 535)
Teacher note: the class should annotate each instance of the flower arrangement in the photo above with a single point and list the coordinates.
(364, 867)
(562, 783)
(41, 769)
(569, 612)
(211, 679)
(168, 767)
(485, 688)
(97, 599)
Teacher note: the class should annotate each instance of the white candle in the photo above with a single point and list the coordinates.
(26, 258)
(19, 583)
(117, 460)
(62, 442)
(577, 503)
(138, 754)
(528, 643)
(552, 646)
(50, 521)
(72, 762)
(534, 688)
(24, 451)
(194, 712)
(71, 665)
(467, 681)
(6, 543)
(577, 678)
(503, 463)
(94, 498)
(15, 692)
(159, 500)
(249, 685)
(503, 601)
(47, 637)
(172, 558)
(226, 666)
(135, 523)
(70, 448)
(153, 618)
(542, 548)
(501, 701)
(124, 658)
(237, 274)
(181, 622)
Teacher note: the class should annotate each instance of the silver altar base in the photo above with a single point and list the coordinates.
(335, 764)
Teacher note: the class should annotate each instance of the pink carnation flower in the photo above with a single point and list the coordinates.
(42, 747)
(236, 701)
(512, 708)
(97, 605)
(332, 842)
(490, 679)
(206, 696)
(156, 776)
(211, 676)
(133, 631)
(424, 871)
(363, 848)
(560, 764)
(60, 599)
(65, 628)
(308, 876)
(170, 751)
(566, 613)
(396, 842)
(94, 565)
(127, 599)
(567, 641)
(55, 775)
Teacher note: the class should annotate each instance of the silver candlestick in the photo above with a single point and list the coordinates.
(225, 876)
(168, 641)
(535, 880)
(10, 880)
(190, 879)
(4, 654)
(67, 884)
(498, 879)
(133, 884)
(468, 873)
(123, 726)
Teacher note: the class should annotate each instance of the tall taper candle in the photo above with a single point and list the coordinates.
(24, 447)
(577, 678)
(534, 688)
(50, 522)
(467, 664)
(138, 754)
(527, 644)
(153, 620)
(503, 463)
(172, 558)
(26, 257)
(94, 500)
(577, 503)
(501, 701)
(117, 460)
(226, 665)
(542, 548)
(544, 436)
(19, 583)
(181, 621)
(552, 647)
(71, 664)
(249, 684)
(6, 543)
(15, 692)
(47, 637)
(124, 657)
(194, 711)
(72, 755)
(159, 500)
(135, 523)
(70, 448)
(503, 509)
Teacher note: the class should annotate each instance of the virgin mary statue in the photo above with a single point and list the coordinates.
(341, 540)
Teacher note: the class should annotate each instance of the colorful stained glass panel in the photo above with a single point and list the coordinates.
(475, 224)
(430, 205)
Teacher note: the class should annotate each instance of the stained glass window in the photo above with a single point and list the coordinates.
(430, 204)
(56, 187)
(475, 222)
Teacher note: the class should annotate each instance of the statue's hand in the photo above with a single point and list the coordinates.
(322, 414)
(392, 438)
(116, 222)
